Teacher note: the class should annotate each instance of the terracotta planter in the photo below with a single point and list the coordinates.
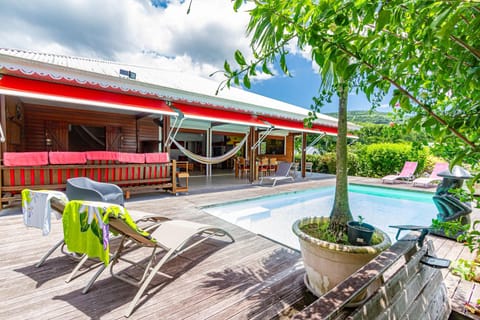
(327, 264)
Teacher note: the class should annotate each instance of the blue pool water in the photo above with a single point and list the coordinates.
(273, 216)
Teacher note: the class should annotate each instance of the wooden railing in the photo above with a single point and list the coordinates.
(132, 178)
(406, 289)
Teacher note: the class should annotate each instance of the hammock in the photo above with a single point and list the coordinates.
(212, 160)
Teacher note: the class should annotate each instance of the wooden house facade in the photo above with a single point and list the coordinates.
(51, 103)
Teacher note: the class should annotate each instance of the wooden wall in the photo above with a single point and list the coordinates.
(28, 126)
(124, 133)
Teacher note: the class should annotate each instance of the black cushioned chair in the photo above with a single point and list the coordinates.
(83, 188)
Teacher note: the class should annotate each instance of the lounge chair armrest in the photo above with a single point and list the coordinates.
(424, 230)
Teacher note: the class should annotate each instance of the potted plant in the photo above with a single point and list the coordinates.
(328, 260)
(359, 232)
(350, 50)
(327, 33)
(328, 256)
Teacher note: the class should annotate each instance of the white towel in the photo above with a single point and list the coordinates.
(37, 210)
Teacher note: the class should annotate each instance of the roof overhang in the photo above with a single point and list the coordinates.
(218, 115)
(50, 91)
(298, 126)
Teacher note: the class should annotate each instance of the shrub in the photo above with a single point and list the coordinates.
(381, 159)
(430, 163)
(328, 161)
(375, 160)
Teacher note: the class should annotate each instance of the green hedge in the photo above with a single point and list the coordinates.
(381, 159)
(326, 163)
(375, 160)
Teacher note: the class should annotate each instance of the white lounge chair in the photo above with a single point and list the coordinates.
(282, 173)
(428, 181)
(407, 173)
(309, 167)
(173, 237)
(57, 202)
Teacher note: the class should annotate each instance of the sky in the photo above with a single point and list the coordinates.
(156, 33)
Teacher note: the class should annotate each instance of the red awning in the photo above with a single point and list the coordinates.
(219, 115)
(293, 125)
(298, 126)
(37, 89)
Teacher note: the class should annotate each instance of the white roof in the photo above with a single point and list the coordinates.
(167, 84)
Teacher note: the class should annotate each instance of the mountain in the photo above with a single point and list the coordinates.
(367, 117)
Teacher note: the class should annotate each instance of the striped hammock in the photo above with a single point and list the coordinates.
(210, 160)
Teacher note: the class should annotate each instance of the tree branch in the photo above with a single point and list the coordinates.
(471, 49)
(410, 96)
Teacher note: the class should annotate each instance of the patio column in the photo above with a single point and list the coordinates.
(3, 123)
(252, 155)
(304, 149)
(208, 167)
(165, 129)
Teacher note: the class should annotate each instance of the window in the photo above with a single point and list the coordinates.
(86, 138)
(272, 146)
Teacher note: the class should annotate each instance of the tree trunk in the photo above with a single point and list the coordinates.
(341, 214)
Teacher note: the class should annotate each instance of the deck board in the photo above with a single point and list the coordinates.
(252, 278)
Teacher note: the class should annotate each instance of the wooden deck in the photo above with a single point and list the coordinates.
(253, 278)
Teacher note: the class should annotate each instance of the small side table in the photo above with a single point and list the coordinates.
(183, 175)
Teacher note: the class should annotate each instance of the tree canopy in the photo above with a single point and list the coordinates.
(427, 51)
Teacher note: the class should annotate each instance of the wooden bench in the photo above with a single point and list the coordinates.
(408, 289)
(132, 178)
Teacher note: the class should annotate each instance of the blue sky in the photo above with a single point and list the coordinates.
(156, 33)
(303, 85)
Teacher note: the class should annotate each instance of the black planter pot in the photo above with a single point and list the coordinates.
(360, 234)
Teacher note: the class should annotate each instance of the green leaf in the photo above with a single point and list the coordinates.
(383, 19)
(226, 67)
(246, 81)
(440, 18)
(458, 160)
(283, 63)
(253, 71)
(239, 58)
(237, 5)
(265, 69)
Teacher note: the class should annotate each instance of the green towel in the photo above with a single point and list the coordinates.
(86, 229)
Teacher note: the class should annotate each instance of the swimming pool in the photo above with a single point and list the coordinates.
(273, 216)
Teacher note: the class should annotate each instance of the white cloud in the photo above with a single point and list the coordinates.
(130, 31)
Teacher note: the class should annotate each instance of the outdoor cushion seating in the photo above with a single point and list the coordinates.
(19, 159)
(67, 157)
(407, 173)
(428, 181)
(83, 188)
(126, 157)
(282, 173)
(160, 157)
(173, 237)
(101, 155)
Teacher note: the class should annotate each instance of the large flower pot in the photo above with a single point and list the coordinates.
(327, 264)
